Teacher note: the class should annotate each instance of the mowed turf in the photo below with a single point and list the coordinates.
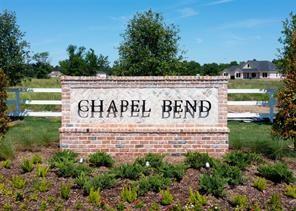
(29, 134)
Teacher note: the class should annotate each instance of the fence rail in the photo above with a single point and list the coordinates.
(245, 116)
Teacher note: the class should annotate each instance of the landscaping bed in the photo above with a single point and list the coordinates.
(47, 180)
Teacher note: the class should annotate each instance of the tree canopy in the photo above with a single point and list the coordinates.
(285, 121)
(13, 47)
(83, 63)
(149, 47)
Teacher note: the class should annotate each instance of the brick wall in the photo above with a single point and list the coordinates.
(136, 139)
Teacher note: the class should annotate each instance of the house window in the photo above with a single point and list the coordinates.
(253, 75)
(225, 74)
(264, 75)
(237, 75)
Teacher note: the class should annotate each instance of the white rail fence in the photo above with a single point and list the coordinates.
(245, 116)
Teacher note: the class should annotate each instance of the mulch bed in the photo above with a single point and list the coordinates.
(111, 196)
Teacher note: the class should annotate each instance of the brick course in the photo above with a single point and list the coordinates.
(137, 139)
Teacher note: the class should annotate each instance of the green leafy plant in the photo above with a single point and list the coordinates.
(129, 171)
(36, 159)
(103, 181)
(129, 194)
(291, 191)
(3, 97)
(196, 199)
(150, 159)
(65, 191)
(154, 207)
(260, 184)
(274, 203)
(42, 185)
(198, 160)
(94, 197)
(41, 171)
(173, 171)
(153, 183)
(277, 172)
(27, 166)
(242, 159)
(63, 156)
(166, 197)
(7, 164)
(81, 180)
(240, 201)
(213, 184)
(232, 174)
(18, 182)
(71, 169)
(101, 159)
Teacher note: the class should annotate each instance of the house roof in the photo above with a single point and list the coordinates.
(254, 65)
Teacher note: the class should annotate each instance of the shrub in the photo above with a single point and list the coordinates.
(274, 203)
(63, 156)
(291, 191)
(42, 185)
(81, 180)
(27, 166)
(129, 194)
(94, 197)
(36, 159)
(150, 159)
(166, 197)
(65, 191)
(129, 171)
(198, 160)
(240, 201)
(3, 107)
(70, 169)
(18, 182)
(153, 183)
(273, 149)
(6, 164)
(242, 159)
(277, 172)
(6, 149)
(213, 184)
(103, 181)
(101, 159)
(260, 184)
(232, 174)
(196, 199)
(41, 171)
(173, 171)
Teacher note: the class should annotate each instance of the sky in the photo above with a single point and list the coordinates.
(211, 30)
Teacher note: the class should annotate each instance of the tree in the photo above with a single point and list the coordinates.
(285, 121)
(210, 69)
(190, 68)
(149, 47)
(83, 63)
(13, 48)
(3, 108)
(41, 68)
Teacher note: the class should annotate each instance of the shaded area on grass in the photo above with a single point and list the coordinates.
(29, 133)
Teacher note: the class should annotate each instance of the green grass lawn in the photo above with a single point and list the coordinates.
(28, 134)
(32, 132)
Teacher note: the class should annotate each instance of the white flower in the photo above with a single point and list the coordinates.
(147, 164)
(81, 160)
(207, 165)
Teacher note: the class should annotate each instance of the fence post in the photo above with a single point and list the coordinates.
(17, 102)
(271, 103)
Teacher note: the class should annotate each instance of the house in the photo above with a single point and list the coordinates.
(54, 74)
(253, 69)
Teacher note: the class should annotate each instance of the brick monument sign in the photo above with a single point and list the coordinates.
(136, 115)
